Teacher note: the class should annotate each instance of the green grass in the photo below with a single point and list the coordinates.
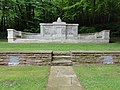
(23, 77)
(99, 77)
(4, 46)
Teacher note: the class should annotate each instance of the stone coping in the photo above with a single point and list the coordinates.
(52, 51)
(20, 52)
(77, 51)
(51, 24)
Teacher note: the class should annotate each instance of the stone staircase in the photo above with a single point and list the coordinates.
(61, 59)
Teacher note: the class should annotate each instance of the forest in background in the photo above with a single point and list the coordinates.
(91, 15)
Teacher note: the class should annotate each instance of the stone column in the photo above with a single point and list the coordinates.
(106, 34)
(11, 35)
(41, 29)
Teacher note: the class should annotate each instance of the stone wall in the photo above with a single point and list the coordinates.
(94, 56)
(71, 37)
(46, 57)
(58, 31)
(27, 58)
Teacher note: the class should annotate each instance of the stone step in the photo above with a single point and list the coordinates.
(54, 41)
(62, 63)
(61, 53)
(61, 58)
(3, 63)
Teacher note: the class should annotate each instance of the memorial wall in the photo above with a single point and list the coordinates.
(57, 32)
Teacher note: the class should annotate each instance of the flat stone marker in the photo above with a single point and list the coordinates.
(13, 60)
(107, 59)
(63, 78)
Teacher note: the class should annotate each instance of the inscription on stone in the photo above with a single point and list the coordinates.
(107, 59)
(13, 60)
(46, 30)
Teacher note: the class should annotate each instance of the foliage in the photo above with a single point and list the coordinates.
(87, 30)
(99, 77)
(113, 27)
(23, 78)
(27, 14)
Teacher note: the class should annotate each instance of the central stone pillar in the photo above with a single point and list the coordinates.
(59, 29)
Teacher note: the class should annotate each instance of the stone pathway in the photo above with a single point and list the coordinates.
(63, 78)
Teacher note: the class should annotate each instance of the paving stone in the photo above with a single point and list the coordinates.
(63, 78)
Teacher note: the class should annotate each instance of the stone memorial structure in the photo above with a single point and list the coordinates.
(57, 32)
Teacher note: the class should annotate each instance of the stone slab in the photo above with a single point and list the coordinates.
(61, 41)
(63, 78)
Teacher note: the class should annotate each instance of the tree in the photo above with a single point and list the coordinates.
(25, 15)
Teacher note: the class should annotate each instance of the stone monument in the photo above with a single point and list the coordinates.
(57, 32)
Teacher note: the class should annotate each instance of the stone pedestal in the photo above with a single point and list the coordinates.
(11, 35)
(59, 29)
(105, 34)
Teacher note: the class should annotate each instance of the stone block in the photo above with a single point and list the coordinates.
(1, 60)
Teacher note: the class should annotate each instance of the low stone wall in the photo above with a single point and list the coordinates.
(46, 57)
(27, 58)
(94, 56)
(23, 37)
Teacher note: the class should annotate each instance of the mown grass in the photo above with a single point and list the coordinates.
(4, 46)
(99, 77)
(23, 78)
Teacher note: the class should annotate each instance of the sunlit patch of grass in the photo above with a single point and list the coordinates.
(99, 77)
(23, 78)
(4, 46)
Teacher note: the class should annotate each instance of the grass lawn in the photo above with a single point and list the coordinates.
(99, 77)
(4, 46)
(23, 77)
